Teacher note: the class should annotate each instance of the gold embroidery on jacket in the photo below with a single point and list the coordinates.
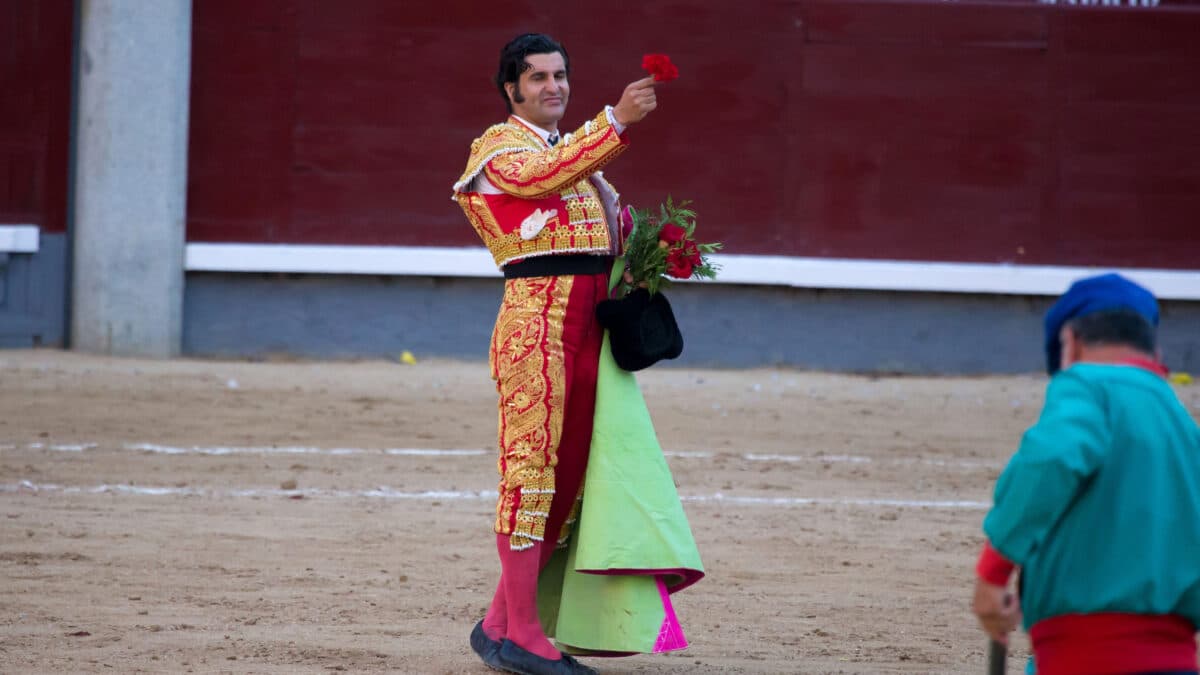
(517, 161)
(583, 208)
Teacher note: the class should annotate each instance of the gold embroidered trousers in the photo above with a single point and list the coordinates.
(544, 354)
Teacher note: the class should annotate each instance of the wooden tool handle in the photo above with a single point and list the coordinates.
(997, 657)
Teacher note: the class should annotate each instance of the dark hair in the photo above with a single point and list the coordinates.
(512, 61)
(1120, 326)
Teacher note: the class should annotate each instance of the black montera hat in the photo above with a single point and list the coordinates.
(642, 329)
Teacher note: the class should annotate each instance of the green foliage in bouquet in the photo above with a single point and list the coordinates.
(662, 247)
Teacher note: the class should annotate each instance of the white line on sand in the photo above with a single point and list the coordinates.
(859, 459)
(461, 495)
(436, 452)
(72, 447)
(292, 450)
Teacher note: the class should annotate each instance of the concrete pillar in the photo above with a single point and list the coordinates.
(131, 140)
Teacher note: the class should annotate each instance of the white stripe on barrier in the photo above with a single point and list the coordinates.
(800, 272)
(19, 238)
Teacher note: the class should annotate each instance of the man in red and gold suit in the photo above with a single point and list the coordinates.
(545, 212)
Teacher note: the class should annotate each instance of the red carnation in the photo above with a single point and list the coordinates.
(679, 265)
(691, 253)
(671, 233)
(660, 66)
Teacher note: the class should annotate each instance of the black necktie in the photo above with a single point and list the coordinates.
(553, 140)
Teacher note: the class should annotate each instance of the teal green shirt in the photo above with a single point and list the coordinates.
(1101, 504)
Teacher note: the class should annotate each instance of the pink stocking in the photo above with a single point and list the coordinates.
(519, 576)
(495, 622)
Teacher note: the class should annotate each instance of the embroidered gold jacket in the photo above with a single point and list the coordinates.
(553, 199)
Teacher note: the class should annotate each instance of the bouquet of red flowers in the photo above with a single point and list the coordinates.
(660, 248)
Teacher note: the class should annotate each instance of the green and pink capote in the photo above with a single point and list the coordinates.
(608, 592)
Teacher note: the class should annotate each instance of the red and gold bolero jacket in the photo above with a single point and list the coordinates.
(553, 199)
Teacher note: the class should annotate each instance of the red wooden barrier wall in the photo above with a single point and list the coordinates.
(35, 98)
(970, 131)
(990, 132)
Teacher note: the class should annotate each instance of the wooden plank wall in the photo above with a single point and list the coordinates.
(35, 91)
(973, 131)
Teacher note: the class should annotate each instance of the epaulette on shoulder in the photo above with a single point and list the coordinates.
(498, 139)
(502, 135)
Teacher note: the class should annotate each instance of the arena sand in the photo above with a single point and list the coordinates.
(315, 517)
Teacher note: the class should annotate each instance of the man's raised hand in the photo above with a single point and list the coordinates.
(636, 102)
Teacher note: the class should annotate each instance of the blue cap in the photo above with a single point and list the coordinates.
(1094, 294)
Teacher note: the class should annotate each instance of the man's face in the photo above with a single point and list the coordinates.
(540, 96)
